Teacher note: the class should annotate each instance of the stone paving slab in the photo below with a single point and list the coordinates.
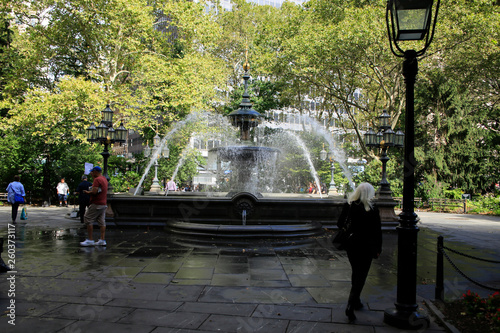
(244, 324)
(107, 327)
(149, 281)
(225, 309)
(189, 320)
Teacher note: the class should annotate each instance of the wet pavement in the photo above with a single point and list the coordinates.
(147, 280)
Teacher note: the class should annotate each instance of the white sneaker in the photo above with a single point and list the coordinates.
(101, 242)
(87, 242)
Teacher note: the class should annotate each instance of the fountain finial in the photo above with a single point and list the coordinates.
(246, 65)
(245, 117)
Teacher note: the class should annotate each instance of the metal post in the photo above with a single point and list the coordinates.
(439, 291)
(105, 155)
(384, 191)
(405, 314)
(332, 188)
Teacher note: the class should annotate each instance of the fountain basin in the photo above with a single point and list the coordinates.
(287, 215)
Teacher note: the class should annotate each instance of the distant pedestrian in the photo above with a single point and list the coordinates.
(97, 208)
(365, 243)
(15, 196)
(62, 192)
(171, 186)
(83, 198)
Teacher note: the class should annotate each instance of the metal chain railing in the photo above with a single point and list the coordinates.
(469, 256)
(439, 292)
(465, 276)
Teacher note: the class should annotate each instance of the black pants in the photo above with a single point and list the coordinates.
(83, 208)
(15, 207)
(360, 264)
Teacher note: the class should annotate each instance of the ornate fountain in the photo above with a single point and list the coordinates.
(246, 161)
(244, 211)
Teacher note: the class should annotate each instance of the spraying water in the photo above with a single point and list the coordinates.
(338, 154)
(154, 155)
(179, 164)
(308, 158)
(219, 128)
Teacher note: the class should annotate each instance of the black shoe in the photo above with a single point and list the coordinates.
(349, 312)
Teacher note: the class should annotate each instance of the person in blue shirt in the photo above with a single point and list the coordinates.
(15, 188)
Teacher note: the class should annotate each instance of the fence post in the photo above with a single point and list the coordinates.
(439, 291)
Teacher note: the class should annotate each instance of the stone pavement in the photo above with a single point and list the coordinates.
(147, 280)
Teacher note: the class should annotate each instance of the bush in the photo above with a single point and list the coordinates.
(478, 307)
(431, 188)
(122, 182)
(487, 204)
(471, 313)
(453, 194)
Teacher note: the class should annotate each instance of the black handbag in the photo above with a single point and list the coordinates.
(344, 234)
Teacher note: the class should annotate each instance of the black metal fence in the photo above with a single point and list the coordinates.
(441, 254)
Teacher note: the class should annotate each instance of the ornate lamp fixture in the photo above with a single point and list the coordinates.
(384, 139)
(105, 134)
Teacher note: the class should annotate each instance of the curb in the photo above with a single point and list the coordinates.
(440, 316)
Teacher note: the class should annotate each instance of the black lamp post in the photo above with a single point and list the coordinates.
(384, 139)
(409, 20)
(105, 134)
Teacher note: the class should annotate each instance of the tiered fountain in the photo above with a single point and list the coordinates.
(244, 211)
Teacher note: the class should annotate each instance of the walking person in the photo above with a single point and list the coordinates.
(83, 198)
(365, 243)
(15, 196)
(96, 212)
(171, 186)
(62, 192)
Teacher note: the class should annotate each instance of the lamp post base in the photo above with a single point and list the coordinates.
(155, 188)
(332, 190)
(386, 210)
(407, 320)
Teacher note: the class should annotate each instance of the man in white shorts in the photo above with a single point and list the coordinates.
(96, 212)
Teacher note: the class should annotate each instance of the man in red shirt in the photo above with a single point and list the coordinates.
(97, 209)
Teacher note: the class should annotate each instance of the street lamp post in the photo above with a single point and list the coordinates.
(158, 152)
(409, 20)
(323, 155)
(384, 139)
(106, 135)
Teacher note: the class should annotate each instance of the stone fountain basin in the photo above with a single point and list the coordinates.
(219, 215)
(223, 209)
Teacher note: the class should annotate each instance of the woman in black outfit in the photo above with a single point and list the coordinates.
(365, 243)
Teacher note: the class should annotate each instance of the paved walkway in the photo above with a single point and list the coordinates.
(146, 280)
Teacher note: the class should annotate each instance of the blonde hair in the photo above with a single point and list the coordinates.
(364, 193)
